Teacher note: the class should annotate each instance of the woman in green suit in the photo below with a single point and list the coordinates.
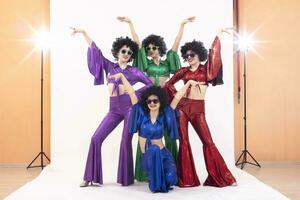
(158, 70)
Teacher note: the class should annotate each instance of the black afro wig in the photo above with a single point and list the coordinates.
(157, 41)
(195, 46)
(157, 91)
(120, 42)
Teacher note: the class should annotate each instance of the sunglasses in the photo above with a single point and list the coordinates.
(186, 56)
(128, 52)
(149, 101)
(154, 48)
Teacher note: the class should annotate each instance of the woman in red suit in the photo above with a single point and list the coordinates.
(191, 109)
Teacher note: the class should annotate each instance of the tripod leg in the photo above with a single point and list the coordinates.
(253, 159)
(33, 160)
(46, 157)
(237, 162)
(244, 160)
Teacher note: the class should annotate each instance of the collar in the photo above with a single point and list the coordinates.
(118, 66)
(159, 118)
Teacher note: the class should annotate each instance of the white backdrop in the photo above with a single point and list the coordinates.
(77, 106)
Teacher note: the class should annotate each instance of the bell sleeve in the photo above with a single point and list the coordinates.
(97, 64)
(173, 61)
(136, 117)
(141, 60)
(171, 119)
(214, 63)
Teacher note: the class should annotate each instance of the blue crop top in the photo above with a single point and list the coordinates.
(141, 121)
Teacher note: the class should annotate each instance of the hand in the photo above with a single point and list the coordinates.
(124, 19)
(116, 76)
(188, 20)
(225, 30)
(76, 30)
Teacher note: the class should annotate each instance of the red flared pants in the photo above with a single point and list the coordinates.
(193, 111)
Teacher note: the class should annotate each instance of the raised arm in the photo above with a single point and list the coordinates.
(214, 61)
(83, 32)
(180, 32)
(132, 30)
(97, 63)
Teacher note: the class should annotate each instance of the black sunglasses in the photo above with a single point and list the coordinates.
(155, 101)
(128, 52)
(186, 56)
(152, 48)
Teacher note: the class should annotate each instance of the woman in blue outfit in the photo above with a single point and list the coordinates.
(150, 116)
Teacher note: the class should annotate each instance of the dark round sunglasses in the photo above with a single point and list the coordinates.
(186, 56)
(155, 101)
(128, 52)
(152, 48)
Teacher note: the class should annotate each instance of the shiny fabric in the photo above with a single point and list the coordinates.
(160, 166)
(170, 65)
(210, 72)
(140, 121)
(119, 110)
(193, 111)
(120, 107)
(98, 64)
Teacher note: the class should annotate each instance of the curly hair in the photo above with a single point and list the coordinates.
(157, 41)
(120, 42)
(157, 91)
(195, 46)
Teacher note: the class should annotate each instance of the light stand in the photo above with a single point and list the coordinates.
(42, 154)
(243, 156)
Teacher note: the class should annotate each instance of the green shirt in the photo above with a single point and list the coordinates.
(166, 67)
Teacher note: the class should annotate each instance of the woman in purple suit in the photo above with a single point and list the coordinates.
(124, 50)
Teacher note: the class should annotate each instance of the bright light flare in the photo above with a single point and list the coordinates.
(42, 39)
(245, 42)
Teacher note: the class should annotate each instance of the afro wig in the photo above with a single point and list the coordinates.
(120, 42)
(197, 47)
(157, 41)
(157, 91)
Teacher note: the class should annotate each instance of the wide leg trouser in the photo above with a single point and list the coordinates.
(119, 110)
(193, 111)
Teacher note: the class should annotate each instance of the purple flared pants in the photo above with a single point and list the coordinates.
(119, 110)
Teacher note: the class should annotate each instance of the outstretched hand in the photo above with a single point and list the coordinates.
(76, 30)
(188, 20)
(227, 30)
(124, 19)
